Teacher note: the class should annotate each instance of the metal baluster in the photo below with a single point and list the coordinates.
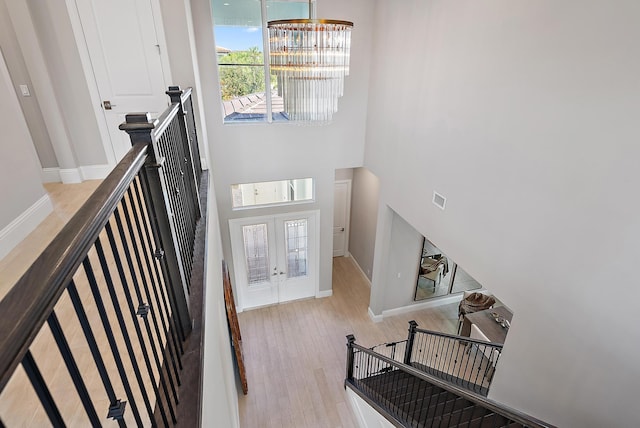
(428, 349)
(140, 128)
(447, 357)
(146, 288)
(456, 360)
(132, 311)
(72, 367)
(123, 327)
(38, 383)
(111, 339)
(477, 366)
(161, 304)
(172, 320)
(95, 351)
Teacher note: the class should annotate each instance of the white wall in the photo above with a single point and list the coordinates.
(262, 152)
(20, 76)
(344, 174)
(364, 217)
(219, 390)
(24, 201)
(524, 115)
(53, 26)
(402, 265)
(177, 18)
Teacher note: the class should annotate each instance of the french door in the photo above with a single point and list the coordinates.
(275, 258)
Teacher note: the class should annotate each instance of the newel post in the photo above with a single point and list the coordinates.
(350, 356)
(409, 349)
(140, 128)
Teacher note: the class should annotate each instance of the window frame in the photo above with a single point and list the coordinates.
(268, 116)
(275, 204)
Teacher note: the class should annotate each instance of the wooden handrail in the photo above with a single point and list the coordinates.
(29, 303)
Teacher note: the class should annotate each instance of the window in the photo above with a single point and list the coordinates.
(272, 193)
(249, 93)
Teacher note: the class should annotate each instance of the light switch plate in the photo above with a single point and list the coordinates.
(25, 91)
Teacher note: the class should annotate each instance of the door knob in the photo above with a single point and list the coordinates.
(107, 105)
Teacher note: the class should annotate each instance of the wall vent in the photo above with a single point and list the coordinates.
(439, 200)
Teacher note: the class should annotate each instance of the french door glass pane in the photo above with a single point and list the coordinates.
(256, 250)
(296, 247)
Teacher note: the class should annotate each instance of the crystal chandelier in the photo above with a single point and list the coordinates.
(310, 58)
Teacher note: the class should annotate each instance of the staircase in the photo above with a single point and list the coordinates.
(409, 396)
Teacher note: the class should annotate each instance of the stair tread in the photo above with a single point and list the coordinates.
(422, 404)
(471, 386)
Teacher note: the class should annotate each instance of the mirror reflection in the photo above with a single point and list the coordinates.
(438, 275)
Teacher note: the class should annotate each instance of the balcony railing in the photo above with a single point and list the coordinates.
(409, 397)
(113, 288)
(466, 362)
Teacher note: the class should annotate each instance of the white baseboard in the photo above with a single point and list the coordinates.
(50, 175)
(324, 293)
(24, 224)
(70, 175)
(374, 317)
(364, 275)
(432, 303)
(75, 175)
(95, 172)
(203, 164)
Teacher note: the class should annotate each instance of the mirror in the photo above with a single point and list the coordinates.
(438, 275)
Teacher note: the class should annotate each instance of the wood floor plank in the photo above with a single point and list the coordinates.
(297, 352)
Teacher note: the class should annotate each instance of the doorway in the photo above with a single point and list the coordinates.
(275, 258)
(341, 216)
(125, 52)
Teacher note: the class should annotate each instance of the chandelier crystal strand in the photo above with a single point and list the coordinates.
(310, 59)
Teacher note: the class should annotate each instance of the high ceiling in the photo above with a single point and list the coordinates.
(248, 12)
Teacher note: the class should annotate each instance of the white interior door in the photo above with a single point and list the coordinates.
(125, 54)
(341, 213)
(275, 258)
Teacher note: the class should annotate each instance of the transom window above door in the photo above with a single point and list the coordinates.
(269, 193)
(249, 93)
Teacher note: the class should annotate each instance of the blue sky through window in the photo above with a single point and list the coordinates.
(238, 38)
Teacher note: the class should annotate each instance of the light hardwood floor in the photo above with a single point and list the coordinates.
(66, 200)
(295, 352)
(19, 405)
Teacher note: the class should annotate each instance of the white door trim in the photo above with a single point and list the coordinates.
(89, 74)
(348, 214)
(237, 251)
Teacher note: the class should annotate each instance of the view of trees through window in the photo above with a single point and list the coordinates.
(237, 81)
(242, 63)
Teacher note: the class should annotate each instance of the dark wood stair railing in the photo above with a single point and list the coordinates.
(119, 271)
(409, 397)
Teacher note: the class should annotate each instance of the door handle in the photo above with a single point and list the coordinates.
(281, 273)
(342, 229)
(107, 105)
